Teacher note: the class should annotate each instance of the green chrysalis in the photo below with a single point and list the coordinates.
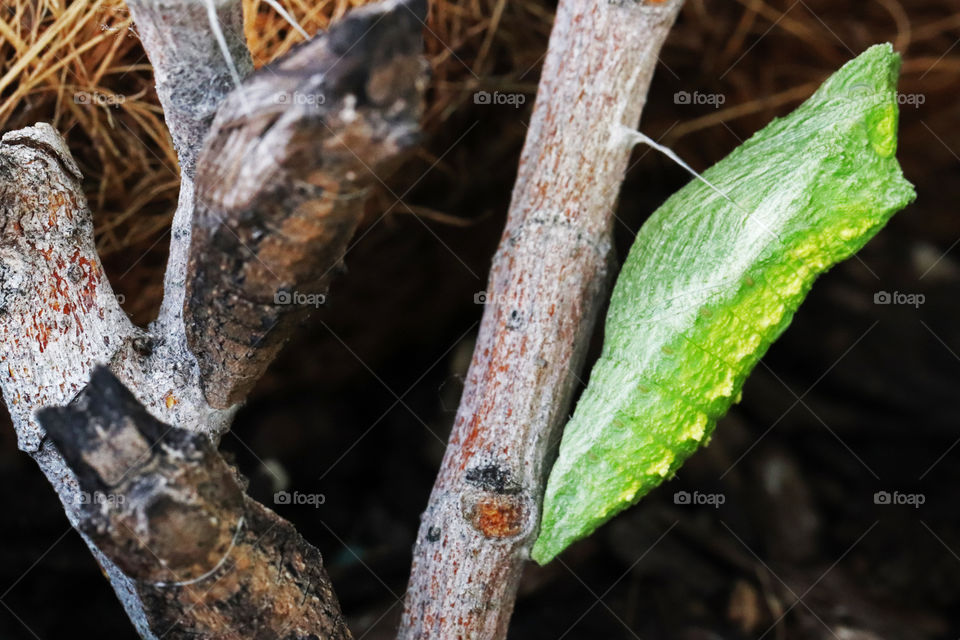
(713, 279)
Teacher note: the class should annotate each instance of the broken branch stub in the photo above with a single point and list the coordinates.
(281, 183)
(206, 560)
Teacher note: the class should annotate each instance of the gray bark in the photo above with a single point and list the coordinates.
(546, 284)
(59, 318)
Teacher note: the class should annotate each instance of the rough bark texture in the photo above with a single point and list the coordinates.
(281, 184)
(192, 78)
(191, 72)
(59, 317)
(544, 290)
(207, 561)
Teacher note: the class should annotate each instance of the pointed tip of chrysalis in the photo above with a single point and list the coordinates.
(564, 519)
(871, 75)
(869, 82)
(541, 553)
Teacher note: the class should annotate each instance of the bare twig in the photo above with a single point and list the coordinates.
(545, 286)
(191, 72)
(193, 76)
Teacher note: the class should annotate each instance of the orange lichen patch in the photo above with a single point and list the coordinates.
(497, 516)
(70, 290)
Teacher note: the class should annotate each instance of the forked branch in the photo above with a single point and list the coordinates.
(287, 176)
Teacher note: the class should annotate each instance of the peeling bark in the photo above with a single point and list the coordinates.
(545, 287)
(206, 560)
(281, 184)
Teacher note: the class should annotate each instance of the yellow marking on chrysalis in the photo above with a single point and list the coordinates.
(747, 347)
(630, 492)
(723, 389)
(662, 468)
(812, 257)
(696, 429)
(789, 282)
(883, 132)
(772, 317)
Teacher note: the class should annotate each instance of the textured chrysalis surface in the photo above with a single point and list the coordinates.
(713, 279)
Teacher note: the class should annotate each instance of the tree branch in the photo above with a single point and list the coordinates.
(191, 72)
(192, 76)
(207, 561)
(59, 317)
(545, 287)
(281, 184)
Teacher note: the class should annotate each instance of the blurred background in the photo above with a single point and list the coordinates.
(838, 473)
